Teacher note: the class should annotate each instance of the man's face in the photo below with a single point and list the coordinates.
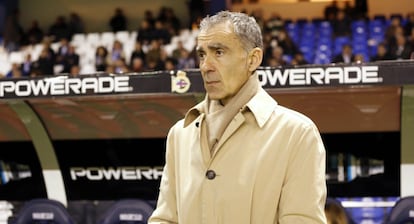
(223, 62)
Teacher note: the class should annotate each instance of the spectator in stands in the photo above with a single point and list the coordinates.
(361, 9)
(238, 156)
(401, 49)
(346, 56)
(274, 24)
(185, 61)
(170, 64)
(194, 54)
(101, 59)
(117, 52)
(75, 70)
(154, 65)
(169, 20)
(47, 46)
(149, 17)
(299, 59)
(382, 53)
(153, 56)
(341, 25)
(34, 35)
(359, 58)
(137, 64)
(286, 43)
(409, 24)
(138, 52)
(145, 33)
(268, 44)
(70, 60)
(395, 28)
(331, 11)
(197, 9)
(15, 71)
(44, 64)
(120, 66)
(176, 53)
(27, 65)
(349, 10)
(335, 212)
(161, 33)
(13, 33)
(59, 29)
(60, 56)
(410, 39)
(63, 48)
(118, 22)
(76, 24)
(276, 58)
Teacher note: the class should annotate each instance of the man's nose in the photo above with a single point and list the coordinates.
(206, 64)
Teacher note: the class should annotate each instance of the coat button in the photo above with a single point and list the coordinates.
(197, 124)
(210, 174)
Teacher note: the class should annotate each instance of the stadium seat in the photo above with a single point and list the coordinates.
(93, 39)
(42, 210)
(292, 29)
(358, 24)
(5, 66)
(308, 31)
(402, 212)
(78, 38)
(339, 42)
(16, 57)
(307, 51)
(123, 36)
(322, 58)
(132, 211)
(325, 29)
(107, 39)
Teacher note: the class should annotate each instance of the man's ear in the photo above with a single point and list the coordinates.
(255, 58)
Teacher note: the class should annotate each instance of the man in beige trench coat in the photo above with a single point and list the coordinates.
(238, 157)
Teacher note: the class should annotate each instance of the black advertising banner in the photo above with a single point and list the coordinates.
(190, 81)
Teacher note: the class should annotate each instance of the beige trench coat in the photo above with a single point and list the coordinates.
(269, 167)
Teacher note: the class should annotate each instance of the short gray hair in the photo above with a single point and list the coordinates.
(245, 27)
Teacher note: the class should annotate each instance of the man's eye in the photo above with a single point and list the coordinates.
(219, 52)
(201, 55)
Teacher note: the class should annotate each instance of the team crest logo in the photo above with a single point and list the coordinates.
(180, 83)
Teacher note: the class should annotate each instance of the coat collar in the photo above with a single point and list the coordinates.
(261, 105)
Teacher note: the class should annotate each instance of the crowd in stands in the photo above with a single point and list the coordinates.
(159, 44)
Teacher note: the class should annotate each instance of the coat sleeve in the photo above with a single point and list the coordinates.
(304, 191)
(166, 209)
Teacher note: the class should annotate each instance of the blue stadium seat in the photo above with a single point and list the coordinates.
(325, 29)
(376, 26)
(42, 211)
(293, 30)
(322, 58)
(339, 42)
(402, 212)
(301, 21)
(307, 51)
(359, 29)
(358, 24)
(132, 211)
(376, 33)
(308, 30)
